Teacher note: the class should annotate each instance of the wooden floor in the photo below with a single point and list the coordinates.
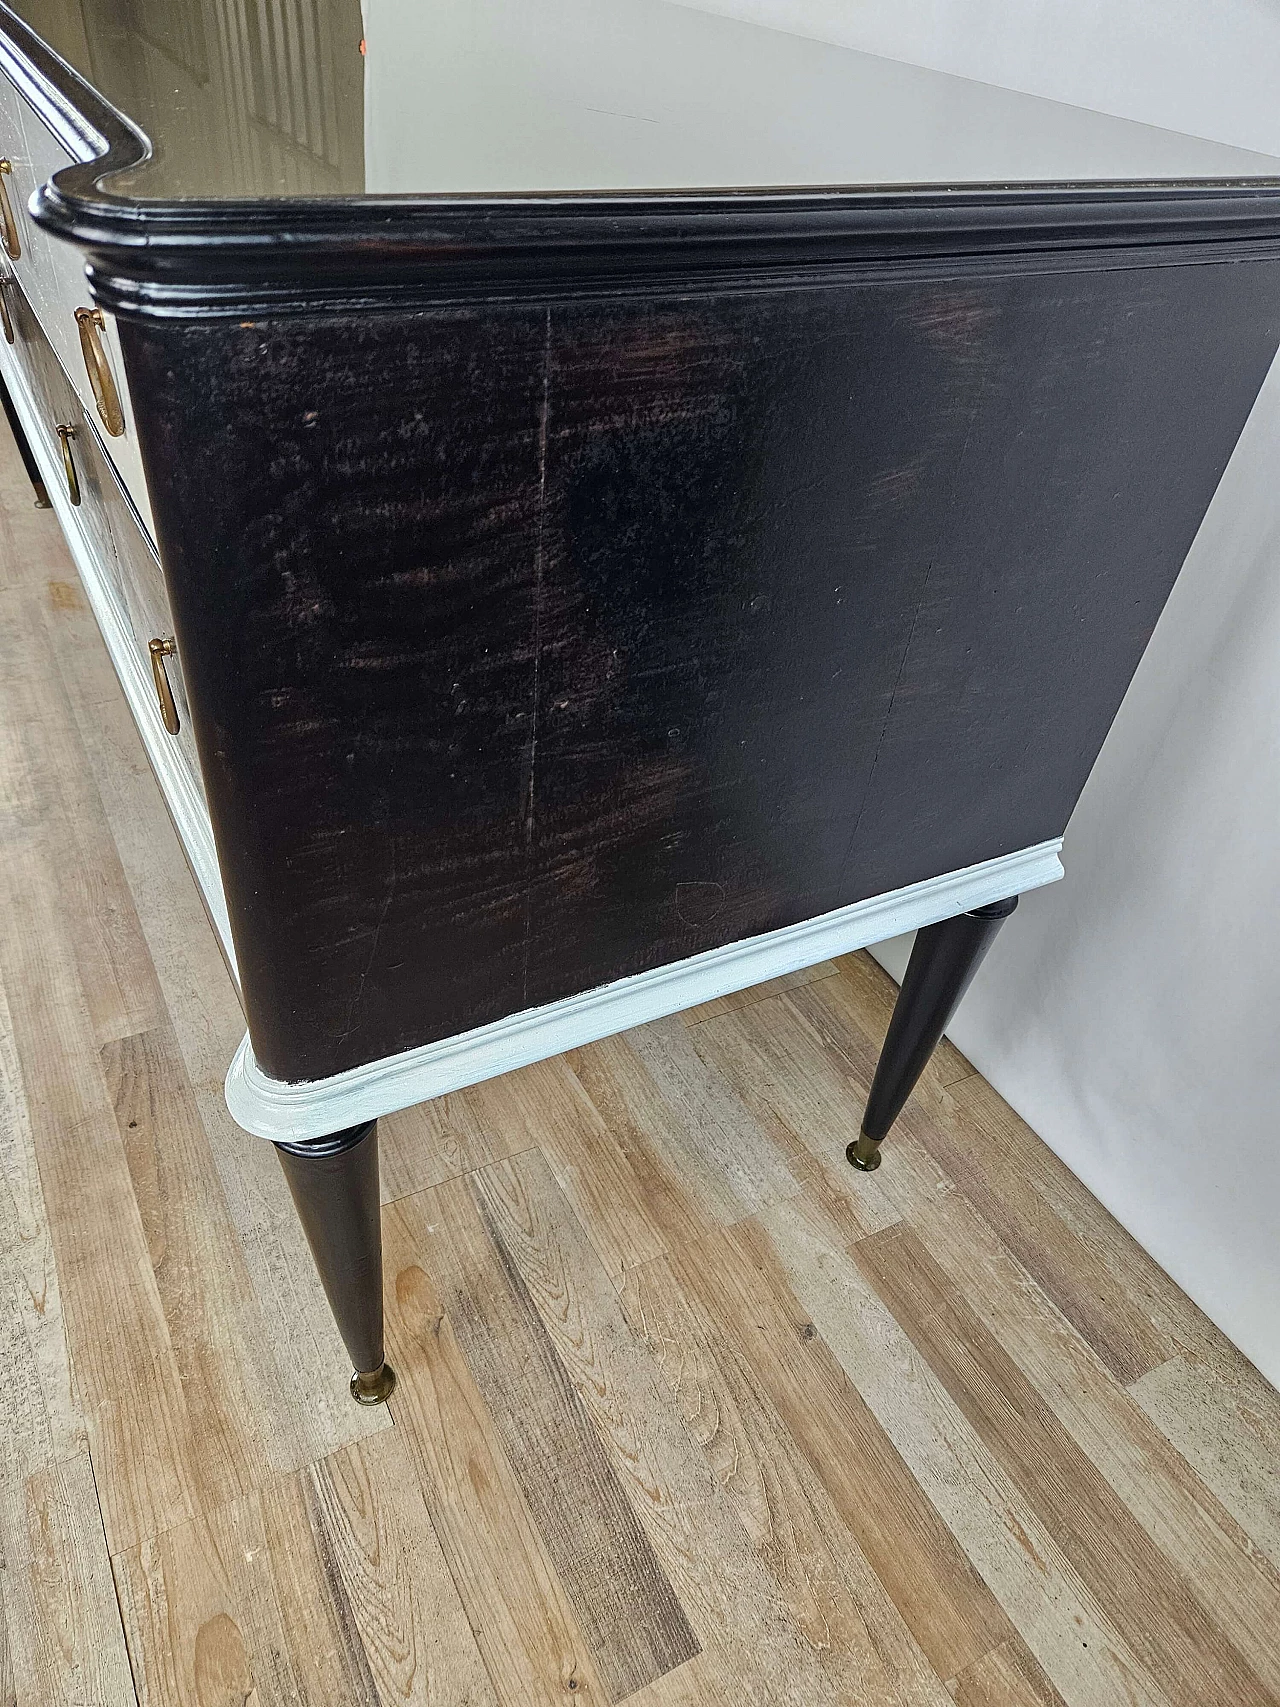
(688, 1411)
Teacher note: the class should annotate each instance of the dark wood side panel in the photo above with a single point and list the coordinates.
(347, 513)
(1107, 421)
(744, 496)
(533, 646)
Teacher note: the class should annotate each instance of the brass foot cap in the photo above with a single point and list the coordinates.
(375, 1387)
(864, 1154)
(43, 501)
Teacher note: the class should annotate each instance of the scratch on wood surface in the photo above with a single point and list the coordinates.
(354, 1008)
(537, 647)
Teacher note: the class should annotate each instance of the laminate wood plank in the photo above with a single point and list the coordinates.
(376, 1604)
(1231, 1440)
(113, 968)
(699, 1682)
(23, 787)
(1064, 1265)
(325, 1588)
(1018, 1153)
(545, 1107)
(813, 1101)
(943, 1600)
(298, 1362)
(1181, 1327)
(1001, 1679)
(635, 1626)
(8, 1687)
(682, 1197)
(836, 1600)
(874, 993)
(194, 1253)
(1238, 1587)
(733, 1605)
(1039, 1598)
(65, 1641)
(203, 1617)
(756, 993)
(28, 537)
(714, 1123)
(433, 1142)
(40, 1420)
(527, 1634)
(1147, 1598)
(126, 1378)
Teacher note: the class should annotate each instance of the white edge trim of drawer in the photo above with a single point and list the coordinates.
(283, 1112)
(183, 800)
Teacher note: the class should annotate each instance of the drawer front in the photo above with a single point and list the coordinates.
(147, 604)
(120, 546)
(79, 458)
(52, 276)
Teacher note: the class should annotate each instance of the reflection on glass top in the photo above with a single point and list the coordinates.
(306, 97)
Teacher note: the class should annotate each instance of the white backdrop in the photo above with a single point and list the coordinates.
(1132, 1013)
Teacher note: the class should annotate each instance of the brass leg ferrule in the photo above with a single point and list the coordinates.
(865, 1154)
(375, 1387)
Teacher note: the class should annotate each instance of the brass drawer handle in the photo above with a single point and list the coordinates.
(91, 324)
(8, 225)
(65, 435)
(160, 650)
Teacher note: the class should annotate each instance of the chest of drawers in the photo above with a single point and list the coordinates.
(563, 570)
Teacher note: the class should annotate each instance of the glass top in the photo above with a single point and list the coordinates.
(472, 97)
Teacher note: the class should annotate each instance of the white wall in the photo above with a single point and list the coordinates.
(1207, 67)
(1132, 1013)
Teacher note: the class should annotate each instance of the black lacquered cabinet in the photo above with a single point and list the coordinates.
(593, 568)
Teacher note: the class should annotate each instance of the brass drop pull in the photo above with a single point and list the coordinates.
(92, 325)
(65, 435)
(160, 650)
(8, 225)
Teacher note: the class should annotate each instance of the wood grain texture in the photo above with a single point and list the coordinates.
(839, 1605)
(856, 1490)
(126, 1378)
(757, 993)
(733, 1608)
(1035, 1587)
(56, 1597)
(942, 1598)
(1064, 1263)
(192, 1248)
(515, 1602)
(1149, 1601)
(322, 1589)
(503, 609)
(389, 1591)
(629, 1613)
(292, 1346)
(1226, 1433)
(545, 1107)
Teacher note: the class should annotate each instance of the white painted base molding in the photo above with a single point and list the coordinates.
(286, 1112)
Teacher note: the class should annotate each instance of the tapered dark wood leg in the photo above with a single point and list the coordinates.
(24, 449)
(334, 1185)
(943, 961)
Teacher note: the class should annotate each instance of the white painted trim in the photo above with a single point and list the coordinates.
(185, 804)
(274, 1109)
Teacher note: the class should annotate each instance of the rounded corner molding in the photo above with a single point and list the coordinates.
(283, 1111)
